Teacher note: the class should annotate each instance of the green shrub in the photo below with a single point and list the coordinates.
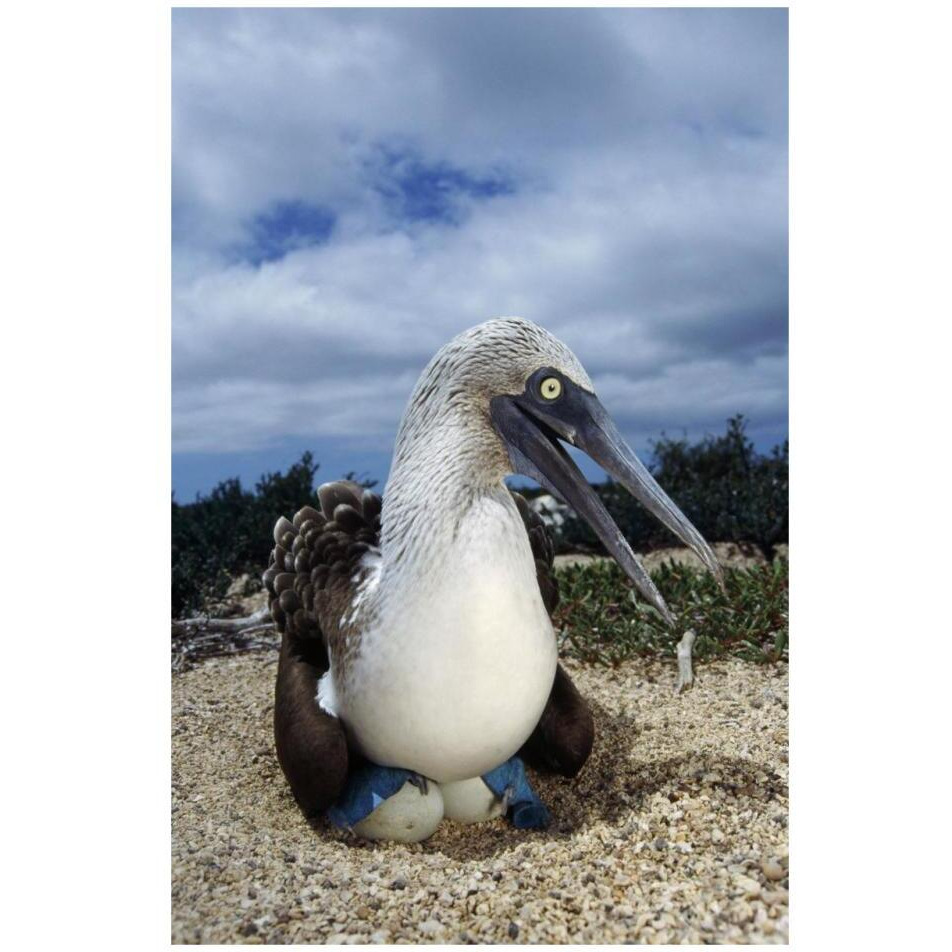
(229, 532)
(602, 622)
(722, 484)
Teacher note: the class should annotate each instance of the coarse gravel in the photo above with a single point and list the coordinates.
(675, 831)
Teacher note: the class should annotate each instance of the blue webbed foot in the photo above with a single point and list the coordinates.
(524, 809)
(367, 788)
(388, 803)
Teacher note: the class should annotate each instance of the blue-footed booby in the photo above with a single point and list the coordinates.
(418, 665)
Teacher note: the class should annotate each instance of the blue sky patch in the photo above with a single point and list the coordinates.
(287, 226)
(433, 191)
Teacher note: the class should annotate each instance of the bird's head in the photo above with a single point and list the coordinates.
(537, 395)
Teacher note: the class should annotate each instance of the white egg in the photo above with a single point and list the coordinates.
(470, 801)
(409, 816)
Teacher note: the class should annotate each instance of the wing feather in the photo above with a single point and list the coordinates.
(310, 581)
(315, 565)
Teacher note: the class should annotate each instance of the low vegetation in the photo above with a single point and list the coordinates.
(600, 620)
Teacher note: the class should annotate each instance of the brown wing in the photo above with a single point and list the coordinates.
(310, 582)
(563, 738)
(310, 577)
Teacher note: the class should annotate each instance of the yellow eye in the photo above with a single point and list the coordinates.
(550, 388)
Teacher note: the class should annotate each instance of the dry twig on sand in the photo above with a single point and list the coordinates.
(196, 638)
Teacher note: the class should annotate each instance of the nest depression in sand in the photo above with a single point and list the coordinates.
(675, 831)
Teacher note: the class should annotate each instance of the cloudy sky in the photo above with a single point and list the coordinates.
(351, 188)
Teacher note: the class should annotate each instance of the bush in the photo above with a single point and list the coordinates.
(722, 484)
(229, 532)
(601, 622)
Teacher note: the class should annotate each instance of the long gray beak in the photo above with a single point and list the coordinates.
(532, 427)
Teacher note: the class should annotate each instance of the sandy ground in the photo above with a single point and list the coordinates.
(675, 831)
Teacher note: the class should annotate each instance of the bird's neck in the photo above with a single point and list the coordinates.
(439, 472)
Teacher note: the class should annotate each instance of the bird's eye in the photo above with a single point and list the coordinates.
(550, 388)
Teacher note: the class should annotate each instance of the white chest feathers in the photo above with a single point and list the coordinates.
(456, 673)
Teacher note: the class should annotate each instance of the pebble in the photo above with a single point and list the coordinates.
(750, 886)
(772, 870)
